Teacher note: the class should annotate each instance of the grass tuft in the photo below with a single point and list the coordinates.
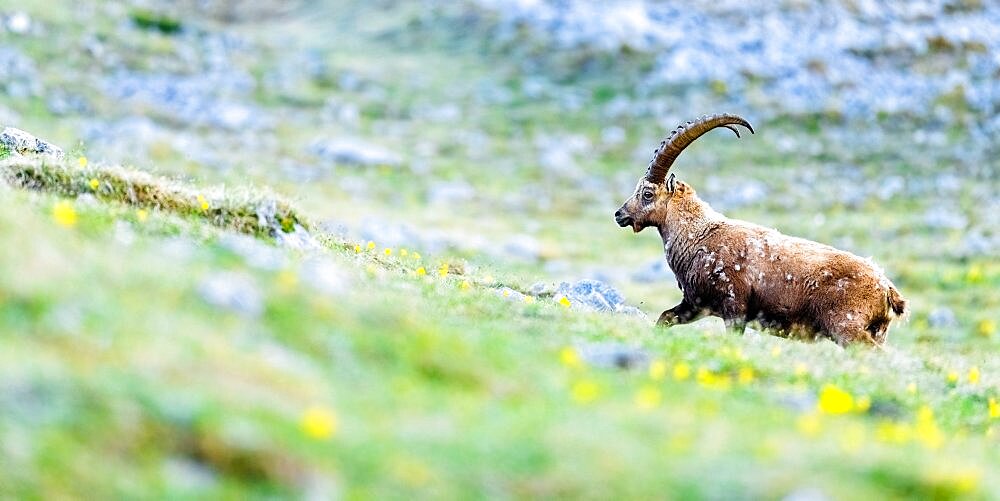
(250, 211)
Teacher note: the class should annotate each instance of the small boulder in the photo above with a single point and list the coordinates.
(21, 142)
(611, 355)
(596, 296)
(355, 152)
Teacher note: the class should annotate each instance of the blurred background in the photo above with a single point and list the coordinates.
(505, 133)
(511, 130)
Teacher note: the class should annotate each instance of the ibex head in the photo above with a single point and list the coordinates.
(656, 194)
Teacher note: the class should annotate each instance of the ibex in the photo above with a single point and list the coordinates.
(744, 272)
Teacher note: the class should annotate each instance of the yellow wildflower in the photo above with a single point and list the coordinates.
(952, 377)
(416, 255)
(141, 215)
(388, 251)
(891, 432)
(443, 270)
(833, 400)
(529, 299)
(319, 423)
(745, 375)
(203, 202)
(925, 413)
(584, 392)
(657, 370)
(370, 245)
(994, 408)
(287, 279)
(682, 371)
(863, 403)
(570, 358)
(403, 252)
(809, 424)
(421, 271)
(709, 379)
(94, 184)
(564, 301)
(926, 429)
(82, 161)
(974, 375)
(465, 285)
(64, 214)
(974, 275)
(357, 249)
(963, 480)
(648, 397)
(986, 327)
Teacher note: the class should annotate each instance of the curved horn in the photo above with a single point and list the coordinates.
(683, 136)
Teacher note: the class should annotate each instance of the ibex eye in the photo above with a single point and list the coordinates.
(647, 195)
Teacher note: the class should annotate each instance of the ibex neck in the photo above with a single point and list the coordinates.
(685, 231)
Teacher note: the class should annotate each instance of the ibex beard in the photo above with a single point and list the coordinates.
(744, 272)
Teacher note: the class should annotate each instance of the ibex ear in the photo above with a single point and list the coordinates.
(670, 184)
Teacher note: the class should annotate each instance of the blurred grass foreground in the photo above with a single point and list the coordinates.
(365, 249)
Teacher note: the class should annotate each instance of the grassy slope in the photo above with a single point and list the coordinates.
(119, 379)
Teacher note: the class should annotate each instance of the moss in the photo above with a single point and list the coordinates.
(150, 20)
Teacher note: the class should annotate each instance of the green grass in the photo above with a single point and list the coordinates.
(138, 387)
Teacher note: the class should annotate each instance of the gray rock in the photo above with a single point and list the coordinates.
(655, 271)
(864, 67)
(19, 77)
(450, 192)
(353, 151)
(978, 244)
(216, 98)
(188, 473)
(324, 275)
(233, 291)
(299, 238)
(949, 219)
(19, 23)
(542, 289)
(611, 355)
(942, 316)
(254, 252)
(19, 141)
(595, 296)
(523, 247)
(510, 294)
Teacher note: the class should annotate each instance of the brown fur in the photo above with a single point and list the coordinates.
(744, 272)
